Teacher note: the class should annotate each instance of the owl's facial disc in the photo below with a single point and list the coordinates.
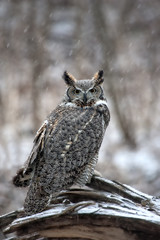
(84, 97)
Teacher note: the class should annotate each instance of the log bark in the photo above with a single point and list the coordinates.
(103, 210)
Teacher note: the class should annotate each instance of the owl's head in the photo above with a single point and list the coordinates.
(84, 92)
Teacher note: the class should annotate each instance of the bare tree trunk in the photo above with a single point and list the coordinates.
(36, 36)
(108, 45)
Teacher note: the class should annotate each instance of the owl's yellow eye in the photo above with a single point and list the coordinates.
(93, 90)
(77, 91)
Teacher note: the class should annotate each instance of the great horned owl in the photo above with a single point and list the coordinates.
(66, 146)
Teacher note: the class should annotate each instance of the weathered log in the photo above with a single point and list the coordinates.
(104, 210)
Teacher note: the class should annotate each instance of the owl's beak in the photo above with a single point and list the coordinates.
(85, 98)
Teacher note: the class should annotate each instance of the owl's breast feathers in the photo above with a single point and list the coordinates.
(71, 117)
(72, 144)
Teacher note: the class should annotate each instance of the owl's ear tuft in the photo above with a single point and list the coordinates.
(69, 79)
(98, 77)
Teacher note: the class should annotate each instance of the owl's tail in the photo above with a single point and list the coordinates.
(22, 179)
(36, 199)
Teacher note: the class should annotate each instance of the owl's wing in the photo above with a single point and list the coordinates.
(24, 174)
(37, 147)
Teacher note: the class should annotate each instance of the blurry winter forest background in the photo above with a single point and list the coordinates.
(39, 39)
